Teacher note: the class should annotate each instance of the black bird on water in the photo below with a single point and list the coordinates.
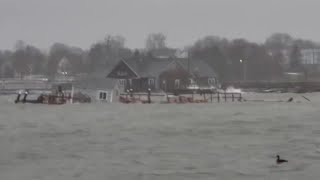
(280, 161)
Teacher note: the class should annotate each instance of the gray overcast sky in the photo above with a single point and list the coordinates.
(83, 22)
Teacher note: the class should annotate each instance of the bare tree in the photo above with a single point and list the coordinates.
(115, 42)
(295, 58)
(106, 53)
(6, 64)
(27, 59)
(155, 41)
(74, 55)
(279, 41)
(211, 50)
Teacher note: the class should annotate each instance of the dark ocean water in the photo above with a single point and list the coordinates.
(192, 141)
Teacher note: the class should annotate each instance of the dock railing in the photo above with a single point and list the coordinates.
(131, 97)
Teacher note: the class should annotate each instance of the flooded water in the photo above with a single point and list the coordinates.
(161, 141)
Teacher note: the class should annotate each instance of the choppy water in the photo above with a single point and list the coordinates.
(193, 141)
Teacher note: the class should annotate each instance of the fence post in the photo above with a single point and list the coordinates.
(232, 97)
(18, 97)
(127, 95)
(225, 97)
(131, 92)
(149, 96)
(218, 96)
(25, 97)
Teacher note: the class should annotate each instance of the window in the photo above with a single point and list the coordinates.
(122, 73)
(211, 81)
(164, 85)
(103, 95)
(151, 82)
(177, 84)
(122, 82)
(130, 82)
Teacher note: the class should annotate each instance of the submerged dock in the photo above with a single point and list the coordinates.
(149, 97)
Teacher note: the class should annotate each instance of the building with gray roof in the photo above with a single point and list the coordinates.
(167, 74)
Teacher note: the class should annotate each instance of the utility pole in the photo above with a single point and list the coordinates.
(244, 69)
(188, 62)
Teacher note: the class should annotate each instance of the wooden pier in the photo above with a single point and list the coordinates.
(226, 95)
(211, 97)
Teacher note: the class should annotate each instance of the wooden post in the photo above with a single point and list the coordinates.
(225, 97)
(25, 97)
(127, 95)
(211, 95)
(72, 94)
(111, 96)
(204, 96)
(149, 96)
(240, 97)
(218, 96)
(131, 92)
(18, 98)
(232, 97)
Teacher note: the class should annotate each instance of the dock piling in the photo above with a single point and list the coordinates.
(149, 96)
(18, 98)
(25, 97)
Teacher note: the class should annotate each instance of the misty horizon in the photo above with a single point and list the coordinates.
(82, 23)
(168, 45)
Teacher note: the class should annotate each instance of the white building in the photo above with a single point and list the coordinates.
(310, 56)
(64, 66)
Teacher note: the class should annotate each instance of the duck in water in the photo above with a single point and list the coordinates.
(280, 161)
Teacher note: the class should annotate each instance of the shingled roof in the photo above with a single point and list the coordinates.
(197, 67)
(152, 67)
(148, 67)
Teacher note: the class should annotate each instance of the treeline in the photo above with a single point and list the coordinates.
(27, 59)
(267, 61)
(232, 59)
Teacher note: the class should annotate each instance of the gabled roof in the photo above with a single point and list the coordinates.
(153, 67)
(148, 66)
(123, 66)
(197, 67)
(95, 83)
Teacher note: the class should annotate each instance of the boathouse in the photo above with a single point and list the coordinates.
(138, 74)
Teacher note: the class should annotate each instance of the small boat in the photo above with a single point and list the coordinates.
(43, 98)
(56, 97)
